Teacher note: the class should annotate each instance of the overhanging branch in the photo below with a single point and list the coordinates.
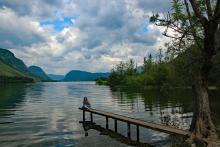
(191, 24)
(198, 13)
(209, 8)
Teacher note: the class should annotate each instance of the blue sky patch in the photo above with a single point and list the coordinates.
(145, 29)
(60, 24)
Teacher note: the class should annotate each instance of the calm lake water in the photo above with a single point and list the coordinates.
(46, 114)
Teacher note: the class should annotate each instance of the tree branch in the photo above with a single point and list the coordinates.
(174, 37)
(197, 12)
(217, 12)
(173, 26)
(209, 8)
(190, 21)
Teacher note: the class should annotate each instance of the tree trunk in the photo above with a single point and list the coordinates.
(202, 126)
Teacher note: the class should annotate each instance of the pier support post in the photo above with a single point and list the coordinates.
(116, 127)
(131, 121)
(138, 138)
(129, 130)
(91, 117)
(84, 117)
(106, 122)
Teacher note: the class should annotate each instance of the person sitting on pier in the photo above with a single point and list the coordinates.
(86, 104)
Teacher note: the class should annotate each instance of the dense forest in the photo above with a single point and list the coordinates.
(165, 71)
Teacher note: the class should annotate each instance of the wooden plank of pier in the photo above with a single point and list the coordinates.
(153, 126)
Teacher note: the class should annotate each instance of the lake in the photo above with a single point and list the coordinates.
(46, 114)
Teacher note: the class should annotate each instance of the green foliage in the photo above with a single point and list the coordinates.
(101, 81)
(120, 71)
(161, 74)
(5, 79)
(148, 63)
(13, 69)
(154, 18)
(177, 12)
(202, 5)
(6, 70)
(135, 81)
(10, 59)
(165, 73)
(9, 74)
(154, 74)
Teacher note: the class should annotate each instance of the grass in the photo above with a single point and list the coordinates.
(10, 75)
(8, 71)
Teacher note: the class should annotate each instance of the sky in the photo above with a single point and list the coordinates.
(89, 35)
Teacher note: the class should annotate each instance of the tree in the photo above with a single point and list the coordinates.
(160, 56)
(148, 64)
(195, 22)
(130, 67)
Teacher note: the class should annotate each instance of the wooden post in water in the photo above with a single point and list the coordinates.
(91, 117)
(84, 117)
(129, 130)
(116, 127)
(106, 122)
(138, 133)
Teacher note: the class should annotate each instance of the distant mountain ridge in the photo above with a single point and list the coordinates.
(10, 59)
(13, 69)
(56, 77)
(77, 75)
(37, 71)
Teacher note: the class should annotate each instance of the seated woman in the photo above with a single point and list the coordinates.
(86, 103)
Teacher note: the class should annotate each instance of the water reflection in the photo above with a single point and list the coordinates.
(11, 98)
(103, 131)
(35, 92)
(46, 114)
(173, 108)
(11, 95)
(38, 118)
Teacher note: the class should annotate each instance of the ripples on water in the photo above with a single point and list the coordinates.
(46, 114)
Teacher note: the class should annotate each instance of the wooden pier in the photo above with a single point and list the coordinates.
(133, 121)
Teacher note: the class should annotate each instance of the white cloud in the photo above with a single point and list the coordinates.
(16, 31)
(105, 33)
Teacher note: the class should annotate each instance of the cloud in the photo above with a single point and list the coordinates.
(155, 6)
(18, 31)
(34, 8)
(61, 35)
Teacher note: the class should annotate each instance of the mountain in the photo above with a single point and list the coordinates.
(9, 74)
(77, 75)
(9, 58)
(9, 71)
(56, 77)
(37, 71)
(13, 69)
